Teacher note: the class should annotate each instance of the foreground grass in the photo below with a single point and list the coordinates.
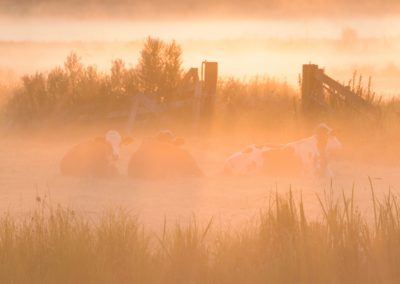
(54, 245)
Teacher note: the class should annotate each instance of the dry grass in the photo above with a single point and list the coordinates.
(54, 245)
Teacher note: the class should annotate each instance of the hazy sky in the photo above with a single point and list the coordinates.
(247, 37)
(134, 9)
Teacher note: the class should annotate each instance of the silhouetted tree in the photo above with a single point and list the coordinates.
(159, 68)
(172, 71)
(117, 78)
(57, 86)
(74, 70)
(150, 66)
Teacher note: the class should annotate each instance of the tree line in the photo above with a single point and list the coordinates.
(77, 92)
(76, 88)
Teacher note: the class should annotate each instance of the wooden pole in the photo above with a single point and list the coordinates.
(210, 78)
(307, 86)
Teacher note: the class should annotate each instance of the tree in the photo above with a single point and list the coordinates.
(57, 86)
(117, 88)
(172, 68)
(159, 69)
(150, 67)
(74, 70)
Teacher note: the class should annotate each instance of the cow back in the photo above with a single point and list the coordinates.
(160, 160)
(91, 158)
(282, 161)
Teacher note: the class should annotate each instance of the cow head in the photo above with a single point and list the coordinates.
(326, 139)
(114, 139)
(333, 143)
(327, 143)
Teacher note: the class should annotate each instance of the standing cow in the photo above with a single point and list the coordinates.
(305, 156)
(163, 157)
(96, 157)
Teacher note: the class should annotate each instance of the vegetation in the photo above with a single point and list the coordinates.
(77, 91)
(159, 69)
(260, 107)
(55, 245)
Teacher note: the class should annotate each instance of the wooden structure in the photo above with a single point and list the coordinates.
(193, 92)
(315, 82)
(209, 77)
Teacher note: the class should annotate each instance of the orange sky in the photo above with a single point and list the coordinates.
(217, 9)
(275, 39)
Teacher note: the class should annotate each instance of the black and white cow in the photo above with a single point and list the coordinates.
(96, 157)
(306, 156)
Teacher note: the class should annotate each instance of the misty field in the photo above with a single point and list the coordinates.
(30, 169)
(216, 229)
(60, 87)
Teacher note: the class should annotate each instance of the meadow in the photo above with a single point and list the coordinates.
(262, 229)
(283, 245)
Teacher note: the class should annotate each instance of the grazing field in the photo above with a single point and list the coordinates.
(342, 235)
(215, 229)
(211, 143)
(30, 170)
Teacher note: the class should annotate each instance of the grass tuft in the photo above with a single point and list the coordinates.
(56, 245)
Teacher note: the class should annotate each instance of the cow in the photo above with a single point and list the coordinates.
(305, 156)
(245, 162)
(95, 157)
(162, 157)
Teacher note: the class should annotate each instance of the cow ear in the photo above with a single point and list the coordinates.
(179, 141)
(126, 140)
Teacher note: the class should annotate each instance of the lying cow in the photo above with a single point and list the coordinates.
(163, 157)
(96, 157)
(246, 162)
(309, 155)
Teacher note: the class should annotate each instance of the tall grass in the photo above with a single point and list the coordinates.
(55, 245)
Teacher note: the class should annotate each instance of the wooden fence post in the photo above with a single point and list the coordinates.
(209, 76)
(312, 91)
(307, 86)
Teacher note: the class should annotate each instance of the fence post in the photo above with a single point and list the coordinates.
(312, 94)
(307, 86)
(209, 76)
